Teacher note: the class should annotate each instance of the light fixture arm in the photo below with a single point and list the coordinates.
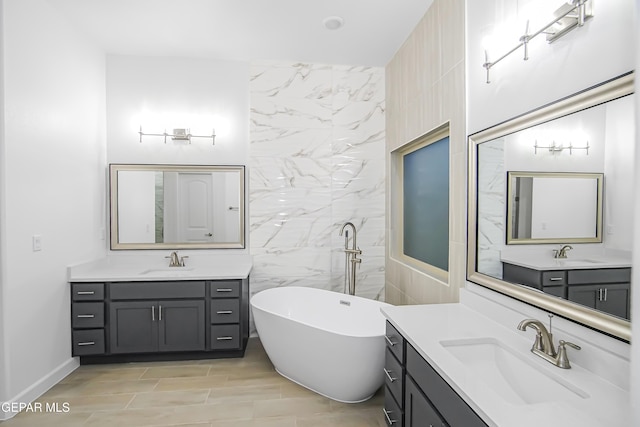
(568, 16)
(179, 135)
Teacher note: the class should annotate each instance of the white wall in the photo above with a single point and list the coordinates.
(635, 277)
(162, 93)
(53, 163)
(601, 50)
(4, 354)
(177, 92)
(587, 56)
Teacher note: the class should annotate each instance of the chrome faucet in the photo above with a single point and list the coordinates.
(175, 260)
(352, 257)
(562, 252)
(543, 344)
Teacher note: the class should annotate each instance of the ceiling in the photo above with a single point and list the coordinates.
(281, 30)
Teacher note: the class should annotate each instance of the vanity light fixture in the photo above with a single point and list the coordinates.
(179, 134)
(567, 17)
(558, 148)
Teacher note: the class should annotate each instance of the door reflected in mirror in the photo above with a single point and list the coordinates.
(177, 206)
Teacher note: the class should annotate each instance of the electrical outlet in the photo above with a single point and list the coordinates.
(36, 241)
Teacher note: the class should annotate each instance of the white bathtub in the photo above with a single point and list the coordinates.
(328, 342)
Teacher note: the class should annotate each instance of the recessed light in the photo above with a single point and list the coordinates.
(333, 22)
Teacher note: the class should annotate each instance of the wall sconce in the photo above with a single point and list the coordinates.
(558, 148)
(567, 17)
(180, 134)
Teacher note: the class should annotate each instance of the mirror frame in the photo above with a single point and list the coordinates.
(599, 177)
(113, 209)
(607, 91)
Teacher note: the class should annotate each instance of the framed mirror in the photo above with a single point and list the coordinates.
(177, 206)
(554, 207)
(589, 134)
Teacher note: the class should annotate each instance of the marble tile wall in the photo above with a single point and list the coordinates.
(317, 160)
(491, 207)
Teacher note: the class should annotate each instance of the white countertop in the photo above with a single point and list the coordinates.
(540, 262)
(119, 268)
(424, 326)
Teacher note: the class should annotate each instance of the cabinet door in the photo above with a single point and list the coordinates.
(615, 300)
(181, 325)
(133, 327)
(610, 298)
(418, 412)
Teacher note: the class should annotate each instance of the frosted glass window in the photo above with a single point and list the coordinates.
(426, 204)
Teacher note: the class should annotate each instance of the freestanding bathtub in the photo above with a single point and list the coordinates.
(328, 342)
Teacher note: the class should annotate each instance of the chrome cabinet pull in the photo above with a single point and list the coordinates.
(386, 415)
(160, 313)
(153, 313)
(87, 343)
(224, 290)
(224, 338)
(224, 312)
(605, 294)
(388, 373)
(600, 294)
(391, 343)
(555, 279)
(86, 293)
(86, 316)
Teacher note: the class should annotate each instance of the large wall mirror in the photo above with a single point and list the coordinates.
(177, 207)
(580, 152)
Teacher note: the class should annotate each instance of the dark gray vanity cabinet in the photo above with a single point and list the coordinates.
(148, 317)
(141, 319)
(604, 289)
(226, 315)
(152, 326)
(394, 377)
(87, 319)
(426, 398)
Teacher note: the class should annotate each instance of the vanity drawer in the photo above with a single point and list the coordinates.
(225, 337)
(156, 290)
(554, 278)
(392, 411)
(225, 289)
(608, 275)
(453, 409)
(393, 375)
(225, 311)
(87, 291)
(88, 341)
(87, 315)
(395, 342)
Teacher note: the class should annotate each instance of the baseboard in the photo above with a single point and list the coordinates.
(38, 388)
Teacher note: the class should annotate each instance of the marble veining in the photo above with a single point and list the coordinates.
(317, 161)
(491, 207)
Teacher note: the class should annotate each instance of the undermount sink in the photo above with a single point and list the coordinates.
(169, 271)
(516, 379)
(573, 262)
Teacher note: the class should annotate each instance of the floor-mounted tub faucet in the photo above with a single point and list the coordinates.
(351, 257)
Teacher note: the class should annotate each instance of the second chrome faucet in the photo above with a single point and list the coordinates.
(543, 345)
(175, 260)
